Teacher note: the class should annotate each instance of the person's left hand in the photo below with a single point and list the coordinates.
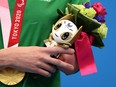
(71, 59)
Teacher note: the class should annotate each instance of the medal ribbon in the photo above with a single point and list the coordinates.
(85, 55)
(17, 23)
(5, 20)
(13, 34)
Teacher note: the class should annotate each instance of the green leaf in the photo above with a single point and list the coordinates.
(60, 12)
(88, 24)
(97, 41)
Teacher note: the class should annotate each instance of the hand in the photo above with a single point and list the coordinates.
(71, 59)
(34, 59)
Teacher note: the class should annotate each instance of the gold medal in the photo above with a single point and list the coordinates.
(11, 76)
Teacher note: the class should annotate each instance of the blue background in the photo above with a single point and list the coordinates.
(105, 58)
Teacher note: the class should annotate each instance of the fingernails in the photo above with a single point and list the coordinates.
(49, 75)
(54, 70)
(72, 50)
(72, 67)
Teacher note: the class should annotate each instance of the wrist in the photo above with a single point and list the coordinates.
(5, 58)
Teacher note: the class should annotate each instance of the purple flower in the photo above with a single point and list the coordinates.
(87, 5)
(99, 18)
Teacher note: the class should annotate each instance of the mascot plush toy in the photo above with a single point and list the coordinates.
(64, 33)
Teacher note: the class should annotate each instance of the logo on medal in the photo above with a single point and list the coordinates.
(20, 4)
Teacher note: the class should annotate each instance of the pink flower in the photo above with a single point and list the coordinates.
(99, 8)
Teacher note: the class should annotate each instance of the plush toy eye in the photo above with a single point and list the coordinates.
(69, 25)
(57, 26)
(65, 35)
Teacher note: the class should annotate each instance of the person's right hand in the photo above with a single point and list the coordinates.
(34, 59)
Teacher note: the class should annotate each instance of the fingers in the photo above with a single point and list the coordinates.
(43, 72)
(59, 63)
(56, 50)
(47, 67)
(43, 69)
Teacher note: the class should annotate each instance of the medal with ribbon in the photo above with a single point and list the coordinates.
(11, 35)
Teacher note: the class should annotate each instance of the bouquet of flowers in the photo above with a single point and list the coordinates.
(94, 30)
(81, 25)
(92, 18)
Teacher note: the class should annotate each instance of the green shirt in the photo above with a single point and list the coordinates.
(39, 17)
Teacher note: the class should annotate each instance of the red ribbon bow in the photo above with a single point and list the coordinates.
(84, 54)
